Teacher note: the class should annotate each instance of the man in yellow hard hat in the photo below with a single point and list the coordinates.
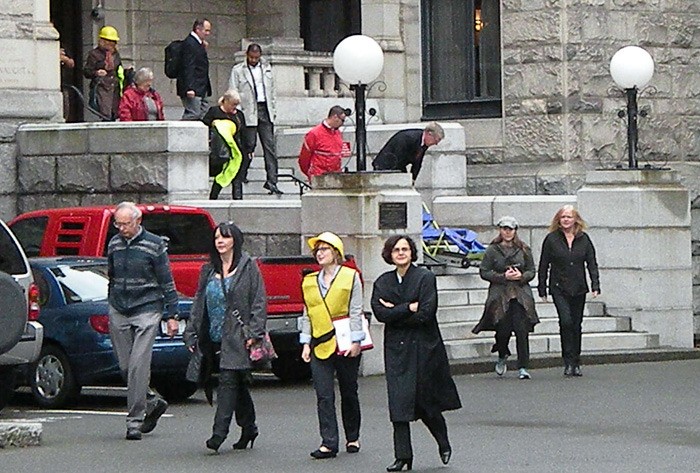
(104, 67)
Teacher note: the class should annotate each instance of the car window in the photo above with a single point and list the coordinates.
(81, 283)
(30, 233)
(11, 259)
(187, 234)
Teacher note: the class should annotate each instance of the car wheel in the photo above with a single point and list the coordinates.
(289, 367)
(174, 390)
(7, 385)
(51, 379)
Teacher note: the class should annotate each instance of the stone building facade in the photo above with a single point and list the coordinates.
(558, 104)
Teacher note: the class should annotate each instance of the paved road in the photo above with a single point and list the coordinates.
(617, 418)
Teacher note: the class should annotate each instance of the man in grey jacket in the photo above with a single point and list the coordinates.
(252, 79)
(140, 283)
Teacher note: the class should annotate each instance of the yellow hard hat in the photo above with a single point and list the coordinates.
(330, 238)
(109, 33)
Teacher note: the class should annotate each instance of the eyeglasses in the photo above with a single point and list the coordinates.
(123, 224)
(401, 250)
(322, 248)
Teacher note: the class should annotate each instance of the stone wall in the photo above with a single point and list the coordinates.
(63, 165)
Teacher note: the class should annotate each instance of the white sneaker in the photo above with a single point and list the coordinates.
(524, 374)
(501, 366)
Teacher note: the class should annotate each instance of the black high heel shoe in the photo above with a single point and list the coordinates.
(215, 442)
(247, 435)
(399, 464)
(445, 456)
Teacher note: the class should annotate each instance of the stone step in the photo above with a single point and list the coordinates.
(593, 324)
(467, 279)
(472, 313)
(550, 344)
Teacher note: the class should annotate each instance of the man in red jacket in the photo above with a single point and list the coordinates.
(322, 147)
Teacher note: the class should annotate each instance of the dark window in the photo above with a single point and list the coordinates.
(461, 58)
(11, 258)
(188, 234)
(324, 23)
(30, 233)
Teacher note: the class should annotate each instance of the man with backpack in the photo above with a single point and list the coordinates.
(192, 61)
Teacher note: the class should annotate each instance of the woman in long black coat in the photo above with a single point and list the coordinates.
(419, 383)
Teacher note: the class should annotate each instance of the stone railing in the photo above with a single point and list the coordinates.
(63, 165)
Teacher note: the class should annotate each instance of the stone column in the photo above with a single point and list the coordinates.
(640, 226)
(364, 209)
(29, 66)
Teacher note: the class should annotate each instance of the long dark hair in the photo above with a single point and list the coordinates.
(227, 229)
(517, 242)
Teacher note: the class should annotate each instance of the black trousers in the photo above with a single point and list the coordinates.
(236, 188)
(570, 311)
(323, 371)
(402, 434)
(233, 395)
(266, 130)
(516, 321)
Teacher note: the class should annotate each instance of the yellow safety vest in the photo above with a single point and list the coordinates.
(226, 128)
(322, 311)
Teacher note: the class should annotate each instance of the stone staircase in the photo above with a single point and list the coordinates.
(256, 179)
(462, 294)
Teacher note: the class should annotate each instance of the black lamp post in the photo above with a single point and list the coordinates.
(358, 60)
(632, 68)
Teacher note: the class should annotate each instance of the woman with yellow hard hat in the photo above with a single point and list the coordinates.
(104, 67)
(334, 292)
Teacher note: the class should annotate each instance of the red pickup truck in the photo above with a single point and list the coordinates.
(86, 231)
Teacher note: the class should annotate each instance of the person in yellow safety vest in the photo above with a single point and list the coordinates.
(103, 66)
(224, 157)
(334, 292)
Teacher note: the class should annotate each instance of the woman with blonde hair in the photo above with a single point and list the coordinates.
(229, 149)
(566, 253)
(332, 293)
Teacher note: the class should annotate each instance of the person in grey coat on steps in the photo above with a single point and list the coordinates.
(510, 307)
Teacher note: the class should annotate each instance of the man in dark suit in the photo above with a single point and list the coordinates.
(193, 85)
(408, 147)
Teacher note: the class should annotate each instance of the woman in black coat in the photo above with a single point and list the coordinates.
(565, 250)
(419, 383)
(510, 307)
(228, 316)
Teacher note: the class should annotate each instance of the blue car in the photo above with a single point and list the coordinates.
(77, 350)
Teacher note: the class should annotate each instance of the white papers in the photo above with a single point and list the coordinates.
(343, 335)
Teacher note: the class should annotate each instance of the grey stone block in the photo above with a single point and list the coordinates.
(20, 434)
(53, 139)
(282, 245)
(7, 132)
(37, 174)
(8, 207)
(129, 137)
(141, 173)
(87, 174)
(8, 164)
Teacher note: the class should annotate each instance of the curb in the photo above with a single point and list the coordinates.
(481, 365)
(20, 434)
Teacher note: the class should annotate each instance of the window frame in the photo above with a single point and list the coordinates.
(471, 106)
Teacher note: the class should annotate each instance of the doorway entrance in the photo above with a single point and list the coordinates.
(66, 16)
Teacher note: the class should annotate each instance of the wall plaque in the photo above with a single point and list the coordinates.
(393, 215)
